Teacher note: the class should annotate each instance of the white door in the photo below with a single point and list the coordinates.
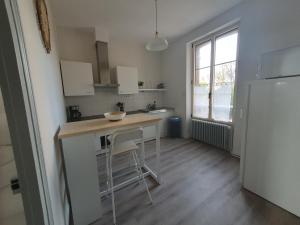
(11, 205)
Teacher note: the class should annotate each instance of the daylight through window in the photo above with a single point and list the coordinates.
(214, 77)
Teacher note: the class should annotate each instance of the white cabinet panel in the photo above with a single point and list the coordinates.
(82, 178)
(77, 78)
(164, 122)
(150, 132)
(280, 63)
(127, 78)
(271, 159)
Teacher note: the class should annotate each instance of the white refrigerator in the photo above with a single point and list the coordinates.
(270, 164)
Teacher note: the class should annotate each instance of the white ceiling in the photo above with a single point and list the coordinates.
(134, 19)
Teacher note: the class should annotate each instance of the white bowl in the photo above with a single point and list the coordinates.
(115, 116)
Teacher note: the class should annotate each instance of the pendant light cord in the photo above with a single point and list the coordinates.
(157, 43)
(156, 32)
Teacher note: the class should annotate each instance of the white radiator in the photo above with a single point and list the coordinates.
(217, 134)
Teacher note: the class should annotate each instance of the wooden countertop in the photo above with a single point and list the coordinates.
(97, 125)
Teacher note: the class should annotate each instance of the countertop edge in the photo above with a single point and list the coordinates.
(70, 134)
(128, 113)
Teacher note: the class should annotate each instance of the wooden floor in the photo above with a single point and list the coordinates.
(200, 187)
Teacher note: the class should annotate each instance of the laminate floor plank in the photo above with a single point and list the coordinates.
(200, 187)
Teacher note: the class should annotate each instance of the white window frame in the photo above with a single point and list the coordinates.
(212, 38)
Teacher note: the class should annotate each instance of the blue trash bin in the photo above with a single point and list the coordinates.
(174, 127)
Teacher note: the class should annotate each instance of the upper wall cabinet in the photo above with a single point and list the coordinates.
(280, 63)
(77, 78)
(127, 79)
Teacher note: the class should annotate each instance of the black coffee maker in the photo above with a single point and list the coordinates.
(73, 113)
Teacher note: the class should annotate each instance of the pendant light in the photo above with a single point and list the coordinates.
(158, 43)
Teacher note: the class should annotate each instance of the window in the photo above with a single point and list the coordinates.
(214, 77)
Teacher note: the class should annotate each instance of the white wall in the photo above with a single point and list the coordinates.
(126, 53)
(265, 25)
(79, 45)
(46, 81)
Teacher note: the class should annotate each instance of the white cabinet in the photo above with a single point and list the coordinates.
(280, 63)
(150, 132)
(127, 79)
(270, 160)
(77, 78)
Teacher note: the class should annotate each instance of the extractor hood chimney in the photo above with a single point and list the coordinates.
(102, 38)
(102, 62)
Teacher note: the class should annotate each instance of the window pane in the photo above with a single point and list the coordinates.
(203, 55)
(223, 90)
(226, 48)
(201, 93)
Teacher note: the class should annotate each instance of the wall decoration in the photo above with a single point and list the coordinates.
(44, 23)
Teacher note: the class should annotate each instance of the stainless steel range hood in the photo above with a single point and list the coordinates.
(102, 62)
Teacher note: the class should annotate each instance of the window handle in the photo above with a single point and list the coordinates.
(209, 95)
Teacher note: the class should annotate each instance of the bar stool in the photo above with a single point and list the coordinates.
(124, 141)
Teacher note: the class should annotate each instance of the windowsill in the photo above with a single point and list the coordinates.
(214, 121)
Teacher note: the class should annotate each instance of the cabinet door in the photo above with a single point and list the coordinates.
(149, 133)
(82, 178)
(77, 78)
(127, 80)
(164, 121)
(271, 167)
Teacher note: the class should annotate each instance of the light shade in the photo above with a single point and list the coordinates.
(157, 44)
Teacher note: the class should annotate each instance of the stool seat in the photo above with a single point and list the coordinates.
(124, 147)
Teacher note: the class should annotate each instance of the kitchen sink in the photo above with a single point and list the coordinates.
(158, 111)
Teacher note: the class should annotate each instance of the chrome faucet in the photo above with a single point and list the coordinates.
(151, 106)
(121, 106)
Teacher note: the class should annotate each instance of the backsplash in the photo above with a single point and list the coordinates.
(105, 100)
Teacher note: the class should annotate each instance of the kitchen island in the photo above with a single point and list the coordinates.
(149, 132)
(80, 142)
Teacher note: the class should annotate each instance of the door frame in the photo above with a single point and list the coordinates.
(22, 120)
